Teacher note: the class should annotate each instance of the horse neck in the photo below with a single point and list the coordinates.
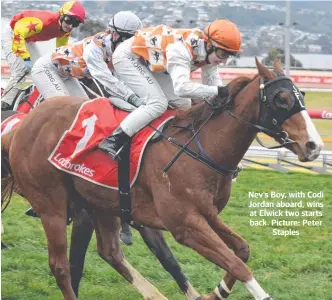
(227, 139)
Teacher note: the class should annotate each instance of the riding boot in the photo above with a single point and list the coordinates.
(113, 144)
(125, 234)
(9, 96)
(5, 106)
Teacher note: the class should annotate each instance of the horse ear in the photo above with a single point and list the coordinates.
(262, 70)
(277, 66)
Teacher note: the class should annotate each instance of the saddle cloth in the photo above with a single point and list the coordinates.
(11, 123)
(77, 152)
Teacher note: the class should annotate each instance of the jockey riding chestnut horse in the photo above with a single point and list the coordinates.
(187, 199)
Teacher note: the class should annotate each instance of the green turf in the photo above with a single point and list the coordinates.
(289, 268)
(318, 100)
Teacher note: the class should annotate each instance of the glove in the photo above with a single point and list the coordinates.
(135, 100)
(28, 65)
(223, 92)
(221, 99)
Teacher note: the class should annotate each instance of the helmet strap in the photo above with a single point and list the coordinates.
(118, 41)
(122, 36)
(209, 49)
(208, 46)
(61, 21)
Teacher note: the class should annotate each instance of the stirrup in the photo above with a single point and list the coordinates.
(117, 156)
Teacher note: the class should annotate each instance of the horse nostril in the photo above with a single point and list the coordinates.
(311, 145)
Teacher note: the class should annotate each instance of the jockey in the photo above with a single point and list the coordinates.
(156, 64)
(57, 74)
(28, 27)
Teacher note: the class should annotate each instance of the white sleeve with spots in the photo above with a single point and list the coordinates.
(179, 66)
(93, 56)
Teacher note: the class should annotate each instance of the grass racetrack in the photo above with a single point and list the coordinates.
(289, 268)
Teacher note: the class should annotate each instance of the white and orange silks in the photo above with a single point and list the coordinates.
(156, 64)
(151, 43)
(57, 74)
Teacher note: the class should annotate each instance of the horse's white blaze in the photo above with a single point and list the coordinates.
(256, 290)
(147, 290)
(313, 135)
(191, 293)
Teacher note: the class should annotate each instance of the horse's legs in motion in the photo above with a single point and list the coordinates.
(108, 242)
(80, 239)
(234, 242)
(155, 240)
(197, 234)
(55, 229)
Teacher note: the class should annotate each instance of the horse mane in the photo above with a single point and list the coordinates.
(200, 112)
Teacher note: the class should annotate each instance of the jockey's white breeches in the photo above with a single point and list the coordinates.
(15, 63)
(51, 82)
(155, 89)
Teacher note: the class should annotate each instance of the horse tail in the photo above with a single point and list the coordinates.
(7, 178)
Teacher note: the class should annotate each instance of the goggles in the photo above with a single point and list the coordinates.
(71, 21)
(223, 54)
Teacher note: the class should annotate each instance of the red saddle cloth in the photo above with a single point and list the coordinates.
(11, 123)
(77, 152)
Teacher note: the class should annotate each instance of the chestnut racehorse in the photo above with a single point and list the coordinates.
(187, 200)
(83, 228)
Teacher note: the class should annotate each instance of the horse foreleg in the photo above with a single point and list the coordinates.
(196, 233)
(80, 239)
(108, 242)
(240, 248)
(55, 229)
(155, 240)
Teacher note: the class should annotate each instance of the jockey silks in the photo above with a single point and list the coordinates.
(34, 26)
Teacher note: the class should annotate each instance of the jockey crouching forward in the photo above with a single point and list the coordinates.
(57, 74)
(156, 64)
(26, 28)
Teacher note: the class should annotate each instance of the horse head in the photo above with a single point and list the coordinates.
(281, 112)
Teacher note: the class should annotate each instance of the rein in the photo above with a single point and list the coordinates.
(203, 158)
(282, 135)
(265, 109)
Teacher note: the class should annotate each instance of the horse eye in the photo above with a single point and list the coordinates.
(281, 102)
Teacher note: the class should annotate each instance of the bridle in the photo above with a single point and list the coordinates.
(269, 121)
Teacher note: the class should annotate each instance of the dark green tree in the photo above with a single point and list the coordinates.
(279, 53)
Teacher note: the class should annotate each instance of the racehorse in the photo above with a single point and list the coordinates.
(187, 200)
(83, 228)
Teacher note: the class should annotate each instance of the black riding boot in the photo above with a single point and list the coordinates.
(113, 144)
(5, 106)
(125, 234)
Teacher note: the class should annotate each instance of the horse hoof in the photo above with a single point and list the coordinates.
(31, 213)
(126, 238)
(3, 246)
(268, 298)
